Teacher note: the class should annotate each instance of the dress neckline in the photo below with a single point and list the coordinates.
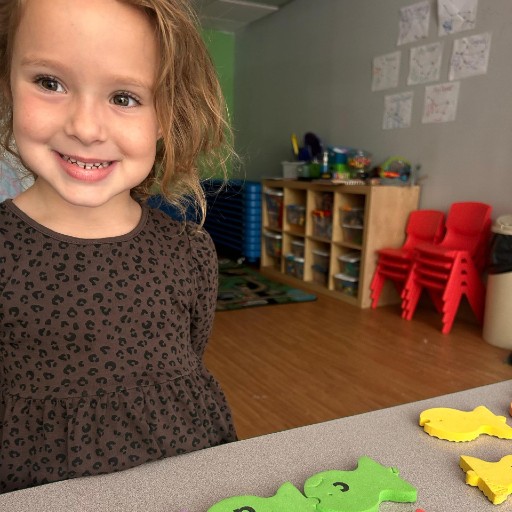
(9, 204)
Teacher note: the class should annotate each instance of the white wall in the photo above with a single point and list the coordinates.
(308, 68)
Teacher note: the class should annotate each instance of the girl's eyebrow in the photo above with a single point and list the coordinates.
(127, 80)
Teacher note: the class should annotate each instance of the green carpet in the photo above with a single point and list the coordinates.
(243, 287)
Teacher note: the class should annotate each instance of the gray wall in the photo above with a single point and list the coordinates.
(308, 68)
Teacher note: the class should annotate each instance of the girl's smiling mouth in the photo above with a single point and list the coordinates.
(85, 165)
(85, 169)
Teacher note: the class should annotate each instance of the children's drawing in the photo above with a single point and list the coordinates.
(456, 15)
(425, 63)
(441, 102)
(385, 71)
(414, 21)
(470, 56)
(397, 110)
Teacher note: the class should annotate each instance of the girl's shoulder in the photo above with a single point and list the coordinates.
(184, 230)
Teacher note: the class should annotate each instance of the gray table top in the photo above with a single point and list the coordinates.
(258, 466)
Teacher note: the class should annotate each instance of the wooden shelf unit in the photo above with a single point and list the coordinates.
(385, 209)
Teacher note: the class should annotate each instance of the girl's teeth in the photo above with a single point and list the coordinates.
(84, 165)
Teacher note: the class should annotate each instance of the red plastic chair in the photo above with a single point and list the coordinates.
(452, 269)
(423, 226)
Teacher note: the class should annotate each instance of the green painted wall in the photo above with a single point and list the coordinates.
(221, 46)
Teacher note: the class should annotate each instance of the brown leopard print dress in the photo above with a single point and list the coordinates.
(101, 345)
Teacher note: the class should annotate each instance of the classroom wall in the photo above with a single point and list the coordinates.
(308, 68)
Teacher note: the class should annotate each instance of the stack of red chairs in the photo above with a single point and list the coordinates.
(452, 268)
(423, 226)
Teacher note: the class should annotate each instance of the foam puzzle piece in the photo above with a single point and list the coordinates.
(360, 490)
(287, 499)
(455, 425)
(494, 479)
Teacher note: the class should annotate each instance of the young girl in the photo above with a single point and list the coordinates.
(105, 305)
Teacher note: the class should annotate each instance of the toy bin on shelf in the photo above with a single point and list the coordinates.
(274, 204)
(289, 264)
(346, 284)
(353, 234)
(321, 259)
(273, 244)
(320, 274)
(298, 248)
(295, 214)
(322, 223)
(350, 263)
(352, 216)
(299, 267)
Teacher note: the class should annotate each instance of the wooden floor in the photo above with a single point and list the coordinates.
(292, 365)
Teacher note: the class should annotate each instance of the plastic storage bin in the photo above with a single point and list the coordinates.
(299, 267)
(298, 248)
(322, 223)
(352, 216)
(320, 275)
(321, 259)
(350, 263)
(346, 284)
(274, 203)
(295, 214)
(273, 244)
(289, 264)
(353, 234)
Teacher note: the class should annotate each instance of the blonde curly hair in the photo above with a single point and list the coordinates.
(196, 134)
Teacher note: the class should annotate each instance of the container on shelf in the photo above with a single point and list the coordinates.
(274, 203)
(290, 169)
(321, 259)
(353, 234)
(322, 223)
(298, 248)
(320, 275)
(346, 284)
(350, 263)
(299, 267)
(289, 264)
(359, 162)
(273, 244)
(295, 214)
(351, 216)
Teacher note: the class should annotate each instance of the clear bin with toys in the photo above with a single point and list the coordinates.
(322, 223)
(346, 284)
(298, 248)
(273, 244)
(350, 263)
(295, 215)
(274, 203)
(299, 267)
(352, 216)
(353, 234)
(289, 264)
(320, 274)
(321, 259)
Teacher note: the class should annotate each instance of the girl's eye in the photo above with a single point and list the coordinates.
(124, 99)
(49, 84)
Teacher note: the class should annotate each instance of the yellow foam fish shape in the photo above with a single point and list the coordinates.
(455, 425)
(494, 479)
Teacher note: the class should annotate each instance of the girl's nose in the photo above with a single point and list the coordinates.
(85, 121)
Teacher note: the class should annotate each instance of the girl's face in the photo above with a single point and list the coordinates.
(82, 79)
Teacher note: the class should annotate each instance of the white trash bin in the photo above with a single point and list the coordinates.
(498, 301)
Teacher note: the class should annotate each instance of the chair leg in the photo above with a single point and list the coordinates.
(376, 287)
